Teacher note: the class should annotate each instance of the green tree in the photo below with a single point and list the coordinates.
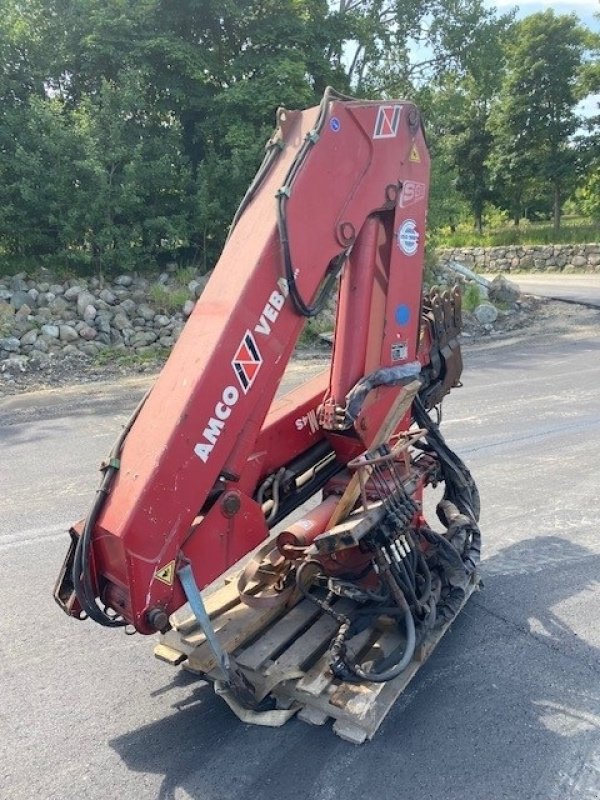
(459, 106)
(535, 117)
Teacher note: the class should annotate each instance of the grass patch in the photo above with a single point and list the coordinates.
(166, 300)
(573, 231)
(131, 358)
(312, 330)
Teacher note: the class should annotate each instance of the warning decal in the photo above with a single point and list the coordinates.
(387, 122)
(246, 362)
(166, 574)
(414, 155)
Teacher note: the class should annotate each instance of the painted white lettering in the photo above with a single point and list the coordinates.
(213, 430)
(263, 326)
(270, 313)
(277, 300)
(222, 411)
(203, 451)
(230, 395)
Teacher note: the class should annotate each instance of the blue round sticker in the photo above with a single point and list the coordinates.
(334, 124)
(402, 314)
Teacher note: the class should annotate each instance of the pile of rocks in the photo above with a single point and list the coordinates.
(42, 320)
(498, 308)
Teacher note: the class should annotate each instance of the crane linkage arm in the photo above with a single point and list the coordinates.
(210, 462)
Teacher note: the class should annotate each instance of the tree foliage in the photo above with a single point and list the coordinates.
(129, 129)
(535, 118)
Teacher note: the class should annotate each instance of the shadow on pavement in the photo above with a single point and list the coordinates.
(507, 707)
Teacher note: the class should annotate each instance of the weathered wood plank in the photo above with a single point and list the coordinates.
(240, 624)
(217, 602)
(357, 698)
(279, 635)
(318, 677)
(310, 644)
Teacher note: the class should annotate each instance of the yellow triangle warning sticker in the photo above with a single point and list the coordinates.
(166, 574)
(414, 155)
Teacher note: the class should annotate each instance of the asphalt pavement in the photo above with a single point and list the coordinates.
(508, 707)
(577, 288)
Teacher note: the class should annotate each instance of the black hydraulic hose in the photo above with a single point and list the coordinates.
(301, 306)
(80, 575)
(460, 486)
(381, 676)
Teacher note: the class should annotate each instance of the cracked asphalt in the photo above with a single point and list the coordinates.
(507, 708)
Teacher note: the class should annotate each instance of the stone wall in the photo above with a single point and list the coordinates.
(43, 319)
(527, 258)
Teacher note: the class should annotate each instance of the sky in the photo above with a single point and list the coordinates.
(585, 9)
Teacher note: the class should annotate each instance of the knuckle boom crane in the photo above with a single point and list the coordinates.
(210, 462)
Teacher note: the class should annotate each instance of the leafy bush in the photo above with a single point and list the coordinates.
(471, 297)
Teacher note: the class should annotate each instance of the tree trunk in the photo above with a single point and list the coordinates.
(557, 209)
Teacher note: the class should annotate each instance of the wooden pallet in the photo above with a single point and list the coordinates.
(283, 652)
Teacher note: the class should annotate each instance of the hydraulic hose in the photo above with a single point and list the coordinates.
(383, 675)
(302, 307)
(82, 581)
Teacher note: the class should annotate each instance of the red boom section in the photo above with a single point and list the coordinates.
(362, 189)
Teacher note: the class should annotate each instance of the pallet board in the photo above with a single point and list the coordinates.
(284, 651)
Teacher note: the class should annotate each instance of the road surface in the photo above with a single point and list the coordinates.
(558, 286)
(507, 708)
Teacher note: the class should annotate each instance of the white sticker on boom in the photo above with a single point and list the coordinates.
(400, 351)
(408, 237)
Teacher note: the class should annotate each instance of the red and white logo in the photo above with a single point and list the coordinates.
(246, 362)
(387, 122)
(412, 192)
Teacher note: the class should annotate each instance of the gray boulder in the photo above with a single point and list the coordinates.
(52, 331)
(146, 312)
(68, 334)
(127, 306)
(486, 313)
(84, 299)
(89, 313)
(29, 338)
(18, 283)
(108, 297)
(41, 344)
(57, 305)
(88, 333)
(73, 292)
(11, 344)
(19, 298)
(501, 290)
(188, 307)
(121, 321)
